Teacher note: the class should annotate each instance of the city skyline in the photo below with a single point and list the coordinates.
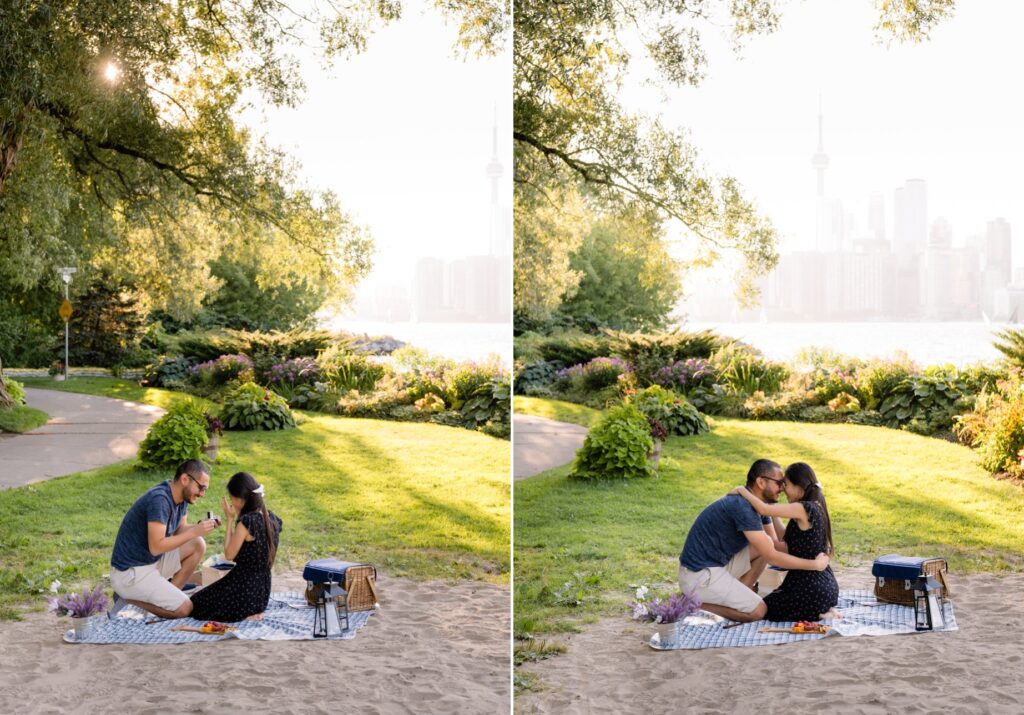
(901, 263)
(938, 111)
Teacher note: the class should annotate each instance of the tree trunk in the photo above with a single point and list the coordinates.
(10, 145)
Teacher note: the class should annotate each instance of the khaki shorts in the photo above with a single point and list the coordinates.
(149, 583)
(720, 585)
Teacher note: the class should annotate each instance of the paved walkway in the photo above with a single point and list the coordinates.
(84, 432)
(540, 444)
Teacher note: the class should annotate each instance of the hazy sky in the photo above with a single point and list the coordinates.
(945, 111)
(402, 134)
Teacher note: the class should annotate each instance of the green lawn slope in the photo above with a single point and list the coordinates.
(418, 500)
(579, 547)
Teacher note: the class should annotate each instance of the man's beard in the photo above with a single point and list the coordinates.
(770, 498)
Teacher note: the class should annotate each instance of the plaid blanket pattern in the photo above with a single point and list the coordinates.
(861, 615)
(288, 617)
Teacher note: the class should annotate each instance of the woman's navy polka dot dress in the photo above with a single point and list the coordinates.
(244, 590)
(804, 595)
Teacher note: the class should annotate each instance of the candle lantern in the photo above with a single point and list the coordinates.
(928, 603)
(922, 617)
(330, 610)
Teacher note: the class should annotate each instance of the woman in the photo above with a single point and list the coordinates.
(803, 595)
(250, 541)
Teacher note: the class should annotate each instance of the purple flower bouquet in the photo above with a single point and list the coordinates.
(79, 605)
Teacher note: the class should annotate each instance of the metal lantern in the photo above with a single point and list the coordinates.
(928, 604)
(330, 610)
(922, 616)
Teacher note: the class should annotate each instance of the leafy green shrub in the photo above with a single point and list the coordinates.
(820, 413)
(844, 403)
(536, 374)
(784, 406)
(879, 378)
(744, 371)
(829, 384)
(463, 381)
(16, 390)
(673, 412)
(170, 371)
(930, 402)
(974, 379)
(871, 418)
(429, 403)
(489, 408)
(346, 370)
(996, 426)
(616, 447)
(178, 435)
(251, 407)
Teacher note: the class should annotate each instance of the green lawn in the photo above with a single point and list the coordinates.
(555, 410)
(888, 491)
(113, 387)
(22, 419)
(417, 500)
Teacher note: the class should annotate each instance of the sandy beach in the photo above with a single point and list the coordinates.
(434, 647)
(610, 669)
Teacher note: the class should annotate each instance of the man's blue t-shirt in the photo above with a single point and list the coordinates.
(717, 534)
(131, 548)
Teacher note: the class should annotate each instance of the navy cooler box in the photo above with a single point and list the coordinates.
(895, 576)
(359, 580)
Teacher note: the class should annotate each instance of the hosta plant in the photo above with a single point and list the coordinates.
(251, 407)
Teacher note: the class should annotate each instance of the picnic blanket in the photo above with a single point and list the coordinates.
(861, 615)
(288, 617)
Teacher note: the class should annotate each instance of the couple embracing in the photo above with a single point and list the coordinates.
(736, 537)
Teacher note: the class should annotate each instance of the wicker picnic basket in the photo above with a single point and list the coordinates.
(895, 576)
(360, 583)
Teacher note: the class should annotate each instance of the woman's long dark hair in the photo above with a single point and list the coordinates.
(243, 486)
(803, 476)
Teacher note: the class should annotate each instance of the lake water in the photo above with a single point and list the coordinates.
(462, 341)
(926, 343)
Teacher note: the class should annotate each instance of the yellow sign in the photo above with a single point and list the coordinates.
(65, 310)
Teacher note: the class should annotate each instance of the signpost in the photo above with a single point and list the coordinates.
(66, 311)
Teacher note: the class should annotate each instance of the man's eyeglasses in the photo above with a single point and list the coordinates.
(780, 482)
(202, 487)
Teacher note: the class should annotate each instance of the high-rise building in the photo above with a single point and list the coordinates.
(429, 290)
(876, 216)
(998, 268)
(910, 222)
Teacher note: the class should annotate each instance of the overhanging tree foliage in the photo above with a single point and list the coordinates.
(121, 149)
(570, 60)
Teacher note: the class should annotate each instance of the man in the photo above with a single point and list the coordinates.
(729, 546)
(155, 543)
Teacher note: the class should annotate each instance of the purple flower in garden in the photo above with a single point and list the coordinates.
(294, 372)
